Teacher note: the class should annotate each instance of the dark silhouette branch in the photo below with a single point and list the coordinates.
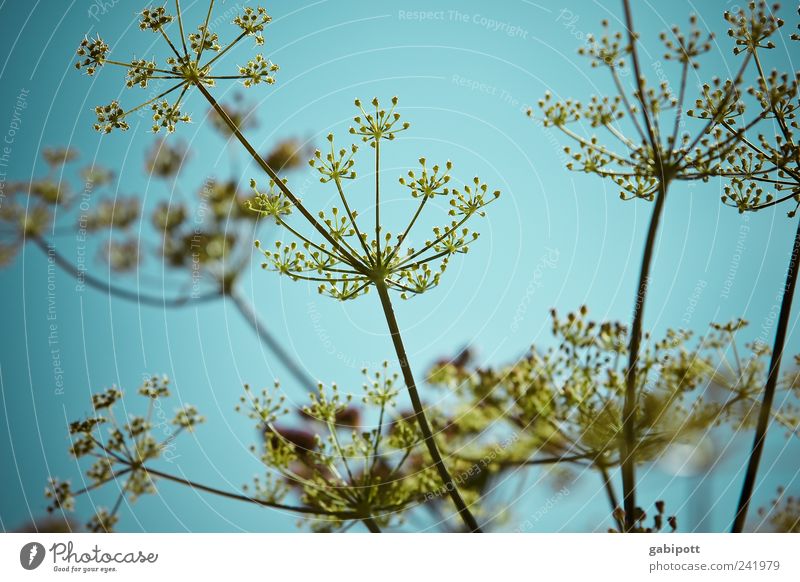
(765, 412)
(113, 290)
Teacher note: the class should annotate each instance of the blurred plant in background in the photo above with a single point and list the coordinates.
(345, 462)
(204, 241)
(783, 514)
(566, 402)
(343, 472)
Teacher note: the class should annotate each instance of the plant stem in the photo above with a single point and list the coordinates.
(273, 176)
(378, 199)
(106, 286)
(611, 494)
(769, 389)
(419, 411)
(629, 405)
(274, 346)
(296, 509)
(371, 525)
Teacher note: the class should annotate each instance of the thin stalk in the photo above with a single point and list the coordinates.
(731, 93)
(194, 485)
(774, 202)
(626, 102)
(611, 494)
(378, 438)
(534, 462)
(274, 346)
(409, 260)
(593, 146)
(94, 486)
(679, 108)
(378, 199)
(402, 238)
(149, 101)
(352, 218)
(283, 223)
(180, 26)
(629, 405)
(273, 176)
(107, 287)
(778, 115)
(419, 411)
(129, 65)
(205, 32)
(118, 503)
(632, 37)
(769, 389)
(169, 42)
(225, 50)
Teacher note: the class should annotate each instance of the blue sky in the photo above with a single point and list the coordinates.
(465, 73)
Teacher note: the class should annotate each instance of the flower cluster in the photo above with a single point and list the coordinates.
(252, 22)
(783, 513)
(760, 171)
(122, 449)
(29, 208)
(183, 69)
(350, 259)
(752, 27)
(93, 54)
(685, 48)
(373, 127)
(566, 401)
(658, 150)
(334, 461)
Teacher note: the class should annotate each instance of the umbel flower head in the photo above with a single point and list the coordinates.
(763, 169)
(333, 462)
(191, 63)
(352, 258)
(118, 448)
(647, 146)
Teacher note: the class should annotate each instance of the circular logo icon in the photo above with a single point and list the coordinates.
(31, 555)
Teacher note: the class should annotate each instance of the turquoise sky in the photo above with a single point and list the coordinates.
(465, 73)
